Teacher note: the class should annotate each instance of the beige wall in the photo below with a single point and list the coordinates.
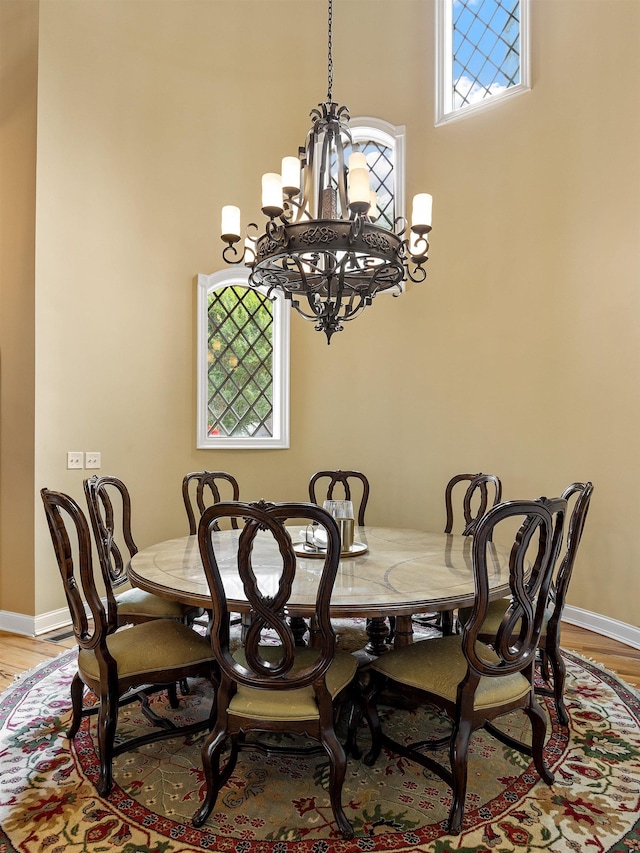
(519, 355)
(18, 94)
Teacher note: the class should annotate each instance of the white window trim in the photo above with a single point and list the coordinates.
(281, 321)
(444, 66)
(391, 135)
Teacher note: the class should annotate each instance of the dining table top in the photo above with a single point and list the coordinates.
(399, 572)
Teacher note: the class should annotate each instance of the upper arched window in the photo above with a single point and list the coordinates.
(243, 363)
(482, 54)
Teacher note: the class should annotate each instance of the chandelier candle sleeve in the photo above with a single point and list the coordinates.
(373, 205)
(357, 160)
(272, 204)
(291, 175)
(421, 216)
(230, 223)
(359, 190)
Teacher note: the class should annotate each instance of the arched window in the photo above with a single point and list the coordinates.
(482, 54)
(243, 363)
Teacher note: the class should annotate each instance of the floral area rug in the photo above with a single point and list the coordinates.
(280, 804)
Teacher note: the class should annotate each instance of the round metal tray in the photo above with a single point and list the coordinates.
(303, 550)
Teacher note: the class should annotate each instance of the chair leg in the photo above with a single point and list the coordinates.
(559, 674)
(458, 753)
(544, 665)
(337, 772)
(107, 720)
(538, 731)
(211, 766)
(355, 716)
(373, 720)
(77, 692)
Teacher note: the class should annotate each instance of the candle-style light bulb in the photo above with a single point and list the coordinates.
(373, 205)
(230, 223)
(421, 214)
(357, 160)
(272, 194)
(290, 175)
(359, 190)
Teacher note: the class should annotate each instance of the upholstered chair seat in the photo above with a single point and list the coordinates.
(439, 667)
(136, 605)
(145, 648)
(291, 705)
(495, 615)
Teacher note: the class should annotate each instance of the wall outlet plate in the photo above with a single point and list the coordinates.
(75, 459)
(92, 459)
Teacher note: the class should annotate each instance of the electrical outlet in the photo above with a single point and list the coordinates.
(92, 459)
(75, 459)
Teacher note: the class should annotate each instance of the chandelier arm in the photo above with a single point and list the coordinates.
(341, 171)
(277, 232)
(231, 255)
(323, 185)
(418, 274)
(293, 210)
(309, 166)
(400, 224)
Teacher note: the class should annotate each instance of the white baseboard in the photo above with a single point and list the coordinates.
(34, 626)
(604, 625)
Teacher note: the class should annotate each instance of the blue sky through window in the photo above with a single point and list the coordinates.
(486, 49)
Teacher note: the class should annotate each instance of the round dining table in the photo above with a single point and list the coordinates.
(391, 572)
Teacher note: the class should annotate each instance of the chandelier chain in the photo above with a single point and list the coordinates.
(330, 55)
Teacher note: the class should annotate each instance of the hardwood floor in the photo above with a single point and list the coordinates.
(19, 654)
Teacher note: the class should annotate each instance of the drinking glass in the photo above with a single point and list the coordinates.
(342, 511)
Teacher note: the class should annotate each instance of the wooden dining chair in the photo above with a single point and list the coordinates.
(469, 681)
(116, 664)
(347, 480)
(578, 494)
(203, 488)
(282, 687)
(109, 505)
(475, 502)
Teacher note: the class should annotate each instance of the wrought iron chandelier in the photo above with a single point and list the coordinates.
(321, 246)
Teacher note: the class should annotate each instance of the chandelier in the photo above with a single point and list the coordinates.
(321, 246)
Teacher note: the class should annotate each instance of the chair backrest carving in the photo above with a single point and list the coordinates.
(207, 483)
(581, 494)
(269, 609)
(480, 487)
(342, 478)
(109, 505)
(531, 564)
(71, 540)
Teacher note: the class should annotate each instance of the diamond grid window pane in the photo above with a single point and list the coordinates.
(240, 363)
(486, 49)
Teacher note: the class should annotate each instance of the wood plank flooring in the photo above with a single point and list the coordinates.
(19, 654)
